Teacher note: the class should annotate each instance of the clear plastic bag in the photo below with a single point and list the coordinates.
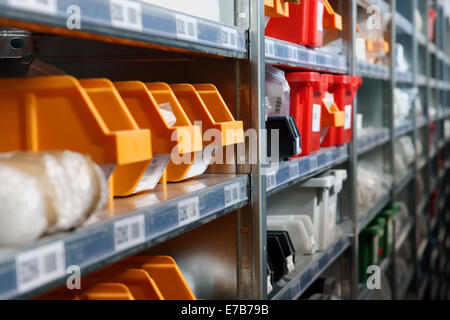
(46, 192)
(406, 148)
(372, 184)
(403, 101)
(277, 92)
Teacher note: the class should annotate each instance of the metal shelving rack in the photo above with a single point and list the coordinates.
(241, 53)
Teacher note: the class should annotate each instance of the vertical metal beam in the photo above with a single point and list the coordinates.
(415, 212)
(252, 257)
(350, 12)
(392, 86)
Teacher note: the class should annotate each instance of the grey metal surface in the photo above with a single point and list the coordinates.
(169, 210)
(296, 170)
(404, 233)
(404, 181)
(370, 70)
(147, 23)
(403, 290)
(371, 142)
(307, 269)
(285, 53)
(15, 43)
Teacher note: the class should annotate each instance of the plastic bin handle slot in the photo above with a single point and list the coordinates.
(332, 116)
(331, 20)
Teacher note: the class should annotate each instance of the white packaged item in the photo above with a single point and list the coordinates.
(403, 99)
(45, 192)
(400, 61)
(399, 165)
(372, 184)
(300, 229)
(406, 148)
(277, 91)
(418, 20)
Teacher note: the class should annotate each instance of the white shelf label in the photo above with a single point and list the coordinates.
(126, 14)
(232, 194)
(202, 159)
(39, 266)
(186, 27)
(188, 211)
(348, 117)
(129, 232)
(271, 181)
(317, 108)
(292, 53)
(270, 48)
(229, 37)
(41, 6)
(294, 171)
(153, 173)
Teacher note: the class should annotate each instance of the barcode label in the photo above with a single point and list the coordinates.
(232, 194)
(317, 108)
(186, 27)
(40, 266)
(41, 6)
(229, 37)
(313, 163)
(348, 117)
(188, 211)
(126, 14)
(270, 48)
(271, 181)
(153, 173)
(292, 53)
(202, 159)
(129, 232)
(278, 104)
(294, 171)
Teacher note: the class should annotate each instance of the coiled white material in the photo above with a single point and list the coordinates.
(47, 192)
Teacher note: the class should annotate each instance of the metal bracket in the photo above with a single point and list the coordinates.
(15, 43)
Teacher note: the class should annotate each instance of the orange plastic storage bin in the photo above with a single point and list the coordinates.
(91, 290)
(203, 102)
(138, 281)
(305, 23)
(344, 89)
(166, 274)
(56, 113)
(276, 8)
(117, 117)
(180, 139)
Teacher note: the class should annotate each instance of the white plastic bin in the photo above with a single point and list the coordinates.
(300, 229)
(318, 199)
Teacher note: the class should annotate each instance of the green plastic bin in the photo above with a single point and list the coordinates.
(388, 239)
(369, 242)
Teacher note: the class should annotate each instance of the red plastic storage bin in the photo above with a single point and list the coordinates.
(344, 89)
(307, 92)
(305, 23)
(432, 16)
